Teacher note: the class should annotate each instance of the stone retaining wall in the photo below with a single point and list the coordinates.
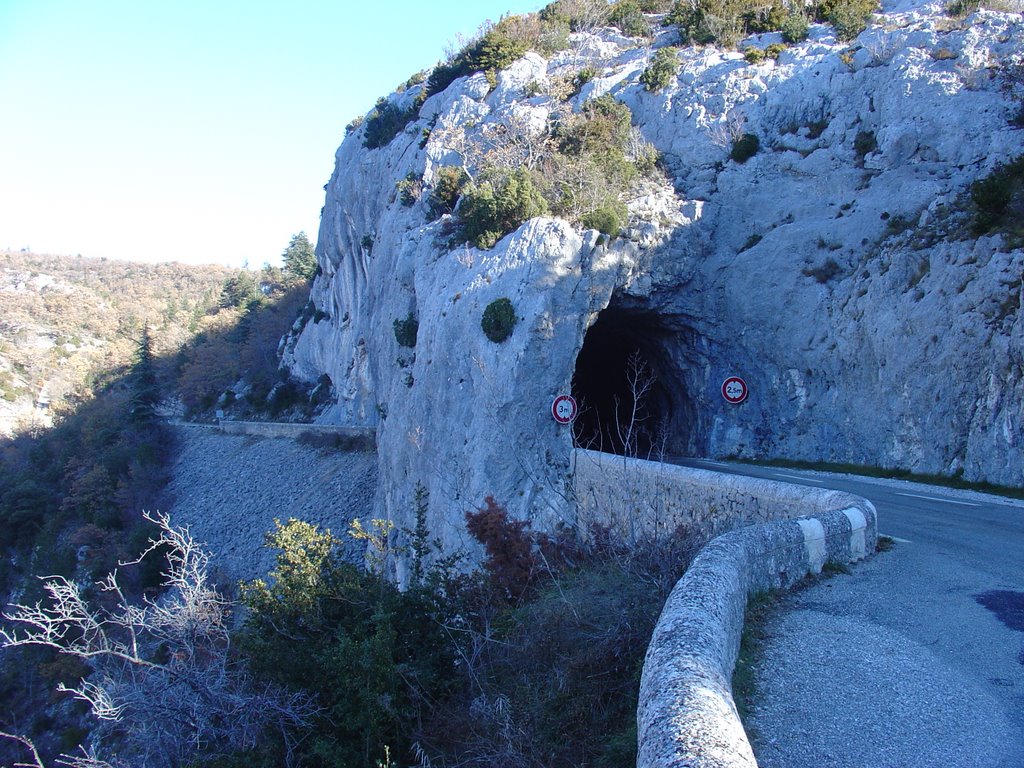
(353, 438)
(686, 715)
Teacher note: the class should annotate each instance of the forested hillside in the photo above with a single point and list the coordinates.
(69, 323)
(92, 354)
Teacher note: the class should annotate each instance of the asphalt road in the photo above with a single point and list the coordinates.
(916, 658)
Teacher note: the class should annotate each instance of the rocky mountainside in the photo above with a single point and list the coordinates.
(812, 234)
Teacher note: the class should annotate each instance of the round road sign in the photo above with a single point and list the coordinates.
(564, 409)
(734, 390)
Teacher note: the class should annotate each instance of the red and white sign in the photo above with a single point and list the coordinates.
(734, 390)
(564, 409)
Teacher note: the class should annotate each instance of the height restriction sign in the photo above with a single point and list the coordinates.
(734, 390)
(563, 409)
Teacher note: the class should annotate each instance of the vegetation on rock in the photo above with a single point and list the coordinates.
(662, 69)
(499, 319)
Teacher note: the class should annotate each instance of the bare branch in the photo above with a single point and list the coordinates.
(164, 680)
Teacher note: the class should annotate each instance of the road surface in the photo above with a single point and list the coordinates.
(914, 659)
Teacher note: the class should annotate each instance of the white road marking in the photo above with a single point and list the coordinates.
(939, 499)
(798, 477)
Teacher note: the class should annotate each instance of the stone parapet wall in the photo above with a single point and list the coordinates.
(355, 438)
(780, 533)
(637, 498)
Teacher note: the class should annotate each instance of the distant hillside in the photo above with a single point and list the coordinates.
(68, 323)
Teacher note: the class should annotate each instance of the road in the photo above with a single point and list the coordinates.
(914, 659)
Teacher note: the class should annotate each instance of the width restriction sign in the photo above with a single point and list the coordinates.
(563, 409)
(734, 390)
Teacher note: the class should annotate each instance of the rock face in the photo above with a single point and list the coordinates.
(833, 270)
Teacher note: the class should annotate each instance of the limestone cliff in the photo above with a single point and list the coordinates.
(834, 270)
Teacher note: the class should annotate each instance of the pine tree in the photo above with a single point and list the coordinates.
(145, 391)
(299, 258)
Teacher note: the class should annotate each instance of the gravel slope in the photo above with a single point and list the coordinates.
(228, 489)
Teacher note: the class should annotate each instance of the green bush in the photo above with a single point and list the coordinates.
(723, 22)
(691, 21)
(794, 26)
(374, 658)
(498, 320)
(774, 50)
(406, 331)
(661, 71)
(610, 218)
(603, 127)
(753, 54)
(448, 186)
(581, 78)
(628, 18)
(498, 205)
(849, 17)
(761, 17)
(499, 47)
(385, 122)
(409, 188)
(745, 148)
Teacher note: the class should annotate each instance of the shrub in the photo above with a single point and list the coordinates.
(745, 148)
(602, 127)
(723, 22)
(997, 196)
(689, 19)
(581, 78)
(498, 320)
(409, 188)
(960, 9)
(499, 47)
(406, 331)
(375, 659)
(354, 125)
(864, 143)
(762, 17)
(610, 218)
(794, 26)
(511, 562)
(815, 129)
(628, 18)
(448, 187)
(849, 17)
(385, 122)
(774, 50)
(492, 209)
(753, 55)
(661, 71)
(824, 272)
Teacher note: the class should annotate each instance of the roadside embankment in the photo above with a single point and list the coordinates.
(228, 489)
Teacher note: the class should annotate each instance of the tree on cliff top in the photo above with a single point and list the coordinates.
(299, 258)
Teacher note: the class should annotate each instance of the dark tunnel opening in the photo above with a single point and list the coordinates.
(630, 387)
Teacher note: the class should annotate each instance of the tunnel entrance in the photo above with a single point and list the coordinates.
(630, 385)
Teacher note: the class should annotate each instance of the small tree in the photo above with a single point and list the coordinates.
(299, 258)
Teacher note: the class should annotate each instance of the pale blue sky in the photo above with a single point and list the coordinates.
(194, 130)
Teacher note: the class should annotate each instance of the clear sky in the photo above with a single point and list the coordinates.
(195, 130)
